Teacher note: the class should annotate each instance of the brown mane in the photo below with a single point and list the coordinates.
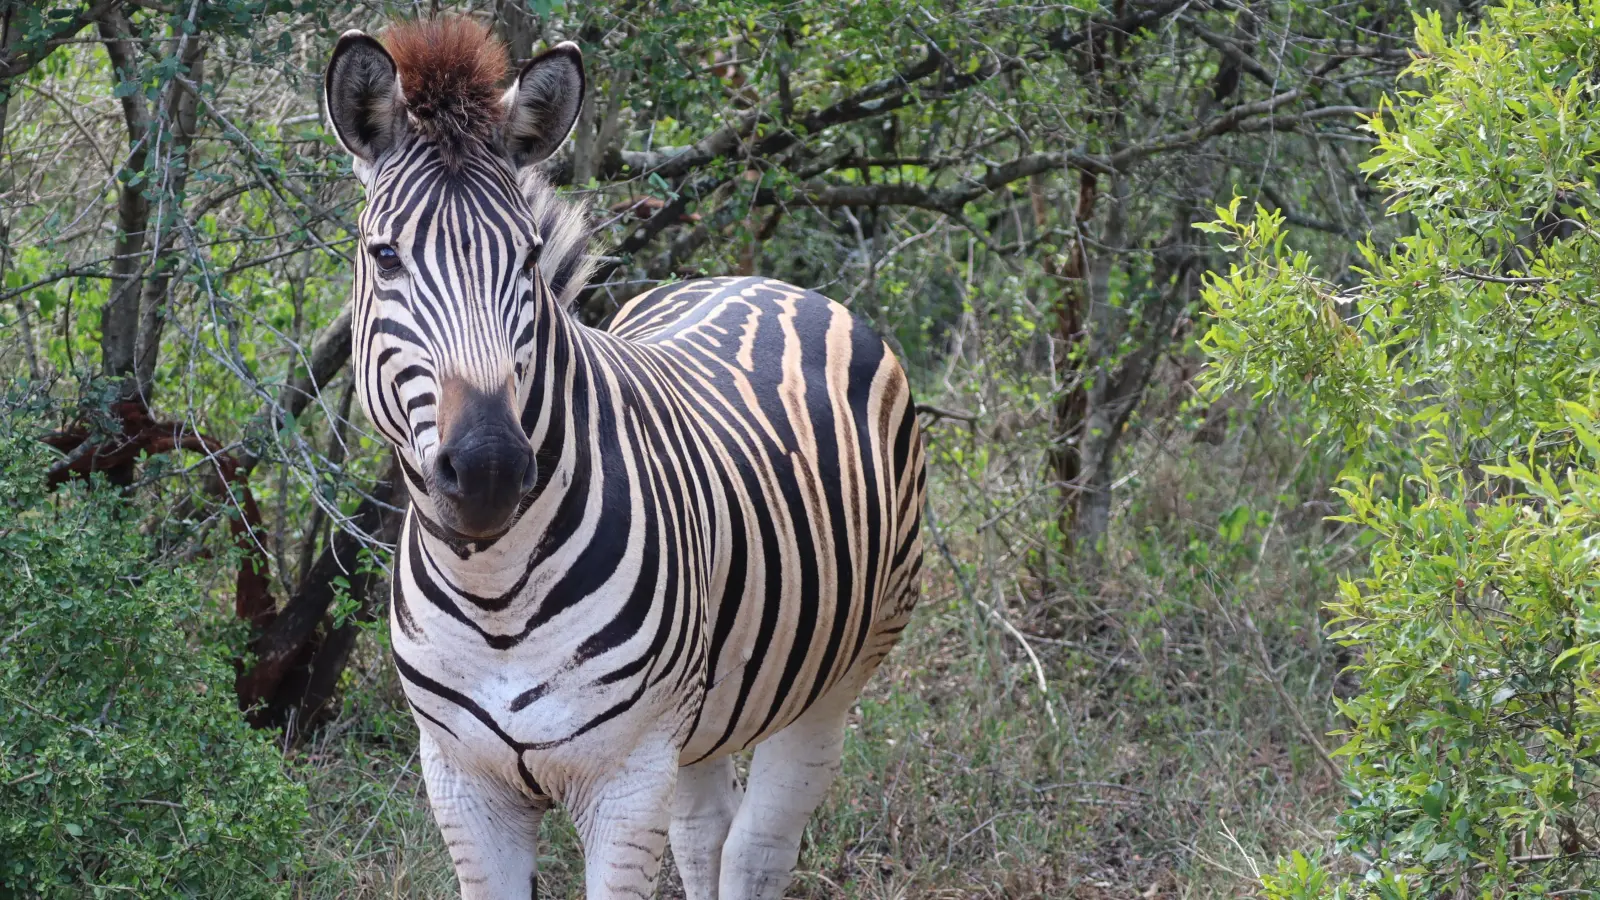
(451, 69)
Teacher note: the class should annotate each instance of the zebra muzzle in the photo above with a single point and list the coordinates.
(485, 467)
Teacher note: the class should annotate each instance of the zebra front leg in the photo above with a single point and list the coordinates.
(622, 817)
(702, 810)
(491, 830)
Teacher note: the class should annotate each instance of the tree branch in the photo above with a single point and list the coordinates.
(1131, 23)
(329, 352)
(951, 200)
(876, 99)
(286, 644)
(1232, 120)
(1236, 54)
(15, 61)
(87, 452)
(1300, 219)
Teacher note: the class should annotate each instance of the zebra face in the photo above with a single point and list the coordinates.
(447, 288)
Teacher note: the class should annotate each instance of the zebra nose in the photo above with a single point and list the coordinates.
(482, 476)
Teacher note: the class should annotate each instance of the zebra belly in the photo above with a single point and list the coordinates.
(797, 638)
(804, 405)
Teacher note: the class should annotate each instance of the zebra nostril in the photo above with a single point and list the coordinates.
(530, 475)
(445, 475)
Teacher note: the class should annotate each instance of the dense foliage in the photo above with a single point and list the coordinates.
(1460, 374)
(126, 768)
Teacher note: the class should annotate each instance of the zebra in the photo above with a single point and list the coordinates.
(631, 551)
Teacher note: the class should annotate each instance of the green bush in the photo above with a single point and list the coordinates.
(1460, 374)
(125, 768)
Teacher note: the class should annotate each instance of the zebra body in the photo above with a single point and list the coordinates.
(631, 552)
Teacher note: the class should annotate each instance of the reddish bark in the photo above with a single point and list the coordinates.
(141, 435)
(300, 654)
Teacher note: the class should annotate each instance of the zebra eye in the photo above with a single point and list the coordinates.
(532, 259)
(388, 259)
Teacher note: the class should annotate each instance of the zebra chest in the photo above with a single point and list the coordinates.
(510, 711)
(548, 681)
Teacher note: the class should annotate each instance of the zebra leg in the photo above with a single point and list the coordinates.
(491, 830)
(789, 775)
(622, 818)
(702, 810)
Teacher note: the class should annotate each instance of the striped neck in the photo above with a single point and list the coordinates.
(555, 411)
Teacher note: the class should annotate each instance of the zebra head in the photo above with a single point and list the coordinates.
(448, 284)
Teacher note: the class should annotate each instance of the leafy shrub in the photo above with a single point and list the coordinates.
(125, 768)
(1460, 374)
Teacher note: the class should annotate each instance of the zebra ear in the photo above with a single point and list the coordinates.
(362, 91)
(543, 105)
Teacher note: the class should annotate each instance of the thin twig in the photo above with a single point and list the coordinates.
(939, 412)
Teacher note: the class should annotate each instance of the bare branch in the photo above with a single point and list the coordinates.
(1236, 54)
(15, 61)
(1131, 23)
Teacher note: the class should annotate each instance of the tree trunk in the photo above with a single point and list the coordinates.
(180, 108)
(1124, 345)
(8, 37)
(298, 657)
(1071, 399)
(1118, 388)
(1097, 436)
(143, 261)
(119, 318)
(518, 27)
(585, 143)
